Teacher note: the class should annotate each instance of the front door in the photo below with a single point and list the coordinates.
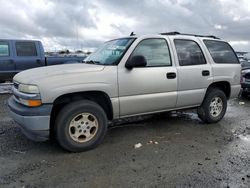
(152, 88)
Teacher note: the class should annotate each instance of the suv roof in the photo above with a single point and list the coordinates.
(174, 33)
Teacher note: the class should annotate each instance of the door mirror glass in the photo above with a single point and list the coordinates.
(136, 61)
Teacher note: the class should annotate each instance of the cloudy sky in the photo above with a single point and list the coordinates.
(85, 24)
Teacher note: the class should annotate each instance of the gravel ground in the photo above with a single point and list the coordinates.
(189, 153)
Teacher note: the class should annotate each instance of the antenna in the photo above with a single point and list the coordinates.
(132, 34)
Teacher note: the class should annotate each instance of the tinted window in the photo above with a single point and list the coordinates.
(155, 51)
(189, 53)
(4, 49)
(221, 52)
(26, 49)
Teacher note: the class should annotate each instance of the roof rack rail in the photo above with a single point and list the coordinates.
(177, 33)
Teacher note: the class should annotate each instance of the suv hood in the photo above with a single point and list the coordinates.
(26, 77)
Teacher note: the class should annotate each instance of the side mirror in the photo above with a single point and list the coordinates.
(136, 61)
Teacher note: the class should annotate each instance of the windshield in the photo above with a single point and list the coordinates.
(110, 53)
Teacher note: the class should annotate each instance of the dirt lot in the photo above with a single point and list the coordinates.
(188, 154)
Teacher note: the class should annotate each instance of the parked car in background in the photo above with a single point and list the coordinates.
(19, 55)
(245, 80)
(247, 56)
(125, 77)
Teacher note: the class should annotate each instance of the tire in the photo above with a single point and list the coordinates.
(81, 126)
(218, 101)
(244, 94)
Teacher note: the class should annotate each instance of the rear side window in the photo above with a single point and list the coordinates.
(221, 52)
(4, 49)
(26, 49)
(155, 51)
(189, 52)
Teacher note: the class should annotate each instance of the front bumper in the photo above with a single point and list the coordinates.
(34, 122)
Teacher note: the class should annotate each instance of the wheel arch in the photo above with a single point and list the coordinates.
(222, 85)
(99, 97)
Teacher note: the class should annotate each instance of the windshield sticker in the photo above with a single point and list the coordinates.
(113, 47)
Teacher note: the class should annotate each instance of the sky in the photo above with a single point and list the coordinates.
(86, 24)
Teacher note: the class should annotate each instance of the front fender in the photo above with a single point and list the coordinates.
(52, 94)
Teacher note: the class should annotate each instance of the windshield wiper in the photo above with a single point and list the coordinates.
(92, 62)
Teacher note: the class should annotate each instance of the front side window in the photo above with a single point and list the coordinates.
(221, 52)
(26, 49)
(4, 49)
(189, 52)
(155, 51)
(110, 52)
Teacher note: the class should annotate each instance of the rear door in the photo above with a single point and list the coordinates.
(194, 72)
(225, 64)
(27, 55)
(7, 65)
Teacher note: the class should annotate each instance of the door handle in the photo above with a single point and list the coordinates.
(205, 73)
(171, 75)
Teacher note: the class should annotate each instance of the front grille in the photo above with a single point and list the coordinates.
(15, 85)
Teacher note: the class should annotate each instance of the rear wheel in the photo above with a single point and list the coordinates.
(81, 126)
(213, 107)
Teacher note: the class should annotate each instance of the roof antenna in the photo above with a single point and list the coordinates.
(132, 34)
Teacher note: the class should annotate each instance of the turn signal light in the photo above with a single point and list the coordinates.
(34, 103)
(30, 102)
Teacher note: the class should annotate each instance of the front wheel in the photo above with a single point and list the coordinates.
(81, 126)
(213, 107)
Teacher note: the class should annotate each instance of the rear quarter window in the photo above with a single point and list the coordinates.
(221, 52)
(26, 49)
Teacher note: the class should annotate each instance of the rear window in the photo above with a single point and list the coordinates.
(4, 49)
(26, 49)
(221, 52)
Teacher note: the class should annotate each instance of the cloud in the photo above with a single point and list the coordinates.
(77, 24)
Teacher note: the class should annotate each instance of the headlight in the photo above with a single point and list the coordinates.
(28, 89)
(28, 95)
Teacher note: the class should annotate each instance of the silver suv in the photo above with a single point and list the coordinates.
(125, 77)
